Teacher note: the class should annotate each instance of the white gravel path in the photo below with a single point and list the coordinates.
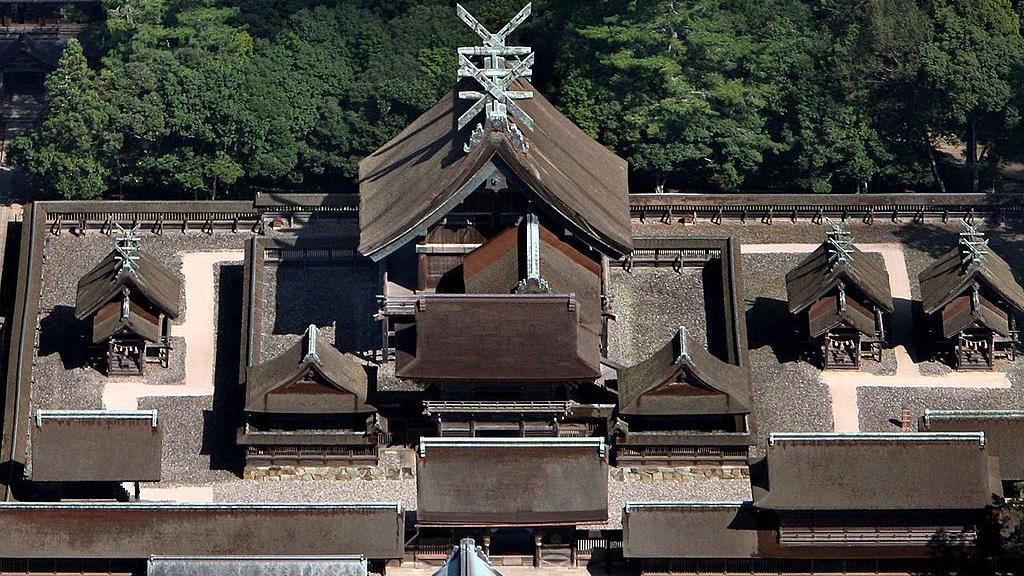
(843, 385)
(197, 329)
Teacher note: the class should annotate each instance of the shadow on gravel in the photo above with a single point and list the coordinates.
(932, 240)
(769, 323)
(220, 423)
(60, 333)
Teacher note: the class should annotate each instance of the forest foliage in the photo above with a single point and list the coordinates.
(216, 98)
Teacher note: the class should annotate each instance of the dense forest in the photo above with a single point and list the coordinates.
(217, 98)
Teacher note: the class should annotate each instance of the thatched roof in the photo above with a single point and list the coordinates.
(422, 173)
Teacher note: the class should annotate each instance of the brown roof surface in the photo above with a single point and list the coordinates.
(948, 278)
(521, 337)
(961, 314)
(685, 357)
(814, 277)
(102, 284)
(494, 268)
(1004, 433)
(344, 376)
(901, 471)
(689, 530)
(825, 314)
(415, 178)
(108, 321)
(96, 446)
(142, 529)
(539, 481)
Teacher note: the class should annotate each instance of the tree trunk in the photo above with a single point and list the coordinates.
(213, 190)
(972, 155)
(933, 164)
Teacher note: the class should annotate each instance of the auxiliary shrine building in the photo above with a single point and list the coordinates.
(495, 355)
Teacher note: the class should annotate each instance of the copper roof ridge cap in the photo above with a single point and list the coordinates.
(972, 413)
(774, 437)
(502, 295)
(95, 415)
(512, 442)
(665, 504)
(333, 557)
(140, 505)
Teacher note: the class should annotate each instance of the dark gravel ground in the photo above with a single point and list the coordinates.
(650, 304)
(881, 408)
(340, 300)
(788, 394)
(60, 378)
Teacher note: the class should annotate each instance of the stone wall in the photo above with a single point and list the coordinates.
(678, 473)
(276, 473)
(392, 464)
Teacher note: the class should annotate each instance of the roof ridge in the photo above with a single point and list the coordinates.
(775, 437)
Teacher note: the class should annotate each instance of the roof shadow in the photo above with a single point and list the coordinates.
(220, 423)
(61, 333)
(769, 323)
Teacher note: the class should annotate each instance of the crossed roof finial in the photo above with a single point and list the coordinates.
(496, 76)
(127, 247)
(839, 242)
(973, 246)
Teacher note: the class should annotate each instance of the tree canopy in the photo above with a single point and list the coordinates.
(216, 98)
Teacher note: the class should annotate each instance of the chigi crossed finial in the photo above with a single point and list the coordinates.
(502, 66)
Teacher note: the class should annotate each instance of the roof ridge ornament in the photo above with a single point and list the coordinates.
(496, 101)
(533, 283)
(126, 249)
(684, 353)
(973, 247)
(839, 244)
(311, 356)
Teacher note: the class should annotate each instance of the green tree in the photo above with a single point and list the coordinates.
(69, 151)
(968, 71)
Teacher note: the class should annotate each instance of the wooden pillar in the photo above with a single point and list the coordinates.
(537, 541)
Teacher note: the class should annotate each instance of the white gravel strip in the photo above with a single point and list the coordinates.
(198, 329)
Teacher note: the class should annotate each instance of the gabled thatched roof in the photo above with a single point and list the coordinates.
(949, 277)
(310, 353)
(817, 276)
(416, 178)
(684, 357)
(159, 286)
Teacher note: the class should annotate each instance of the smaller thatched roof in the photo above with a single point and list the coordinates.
(950, 276)
(683, 359)
(311, 353)
(878, 471)
(821, 273)
(148, 277)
